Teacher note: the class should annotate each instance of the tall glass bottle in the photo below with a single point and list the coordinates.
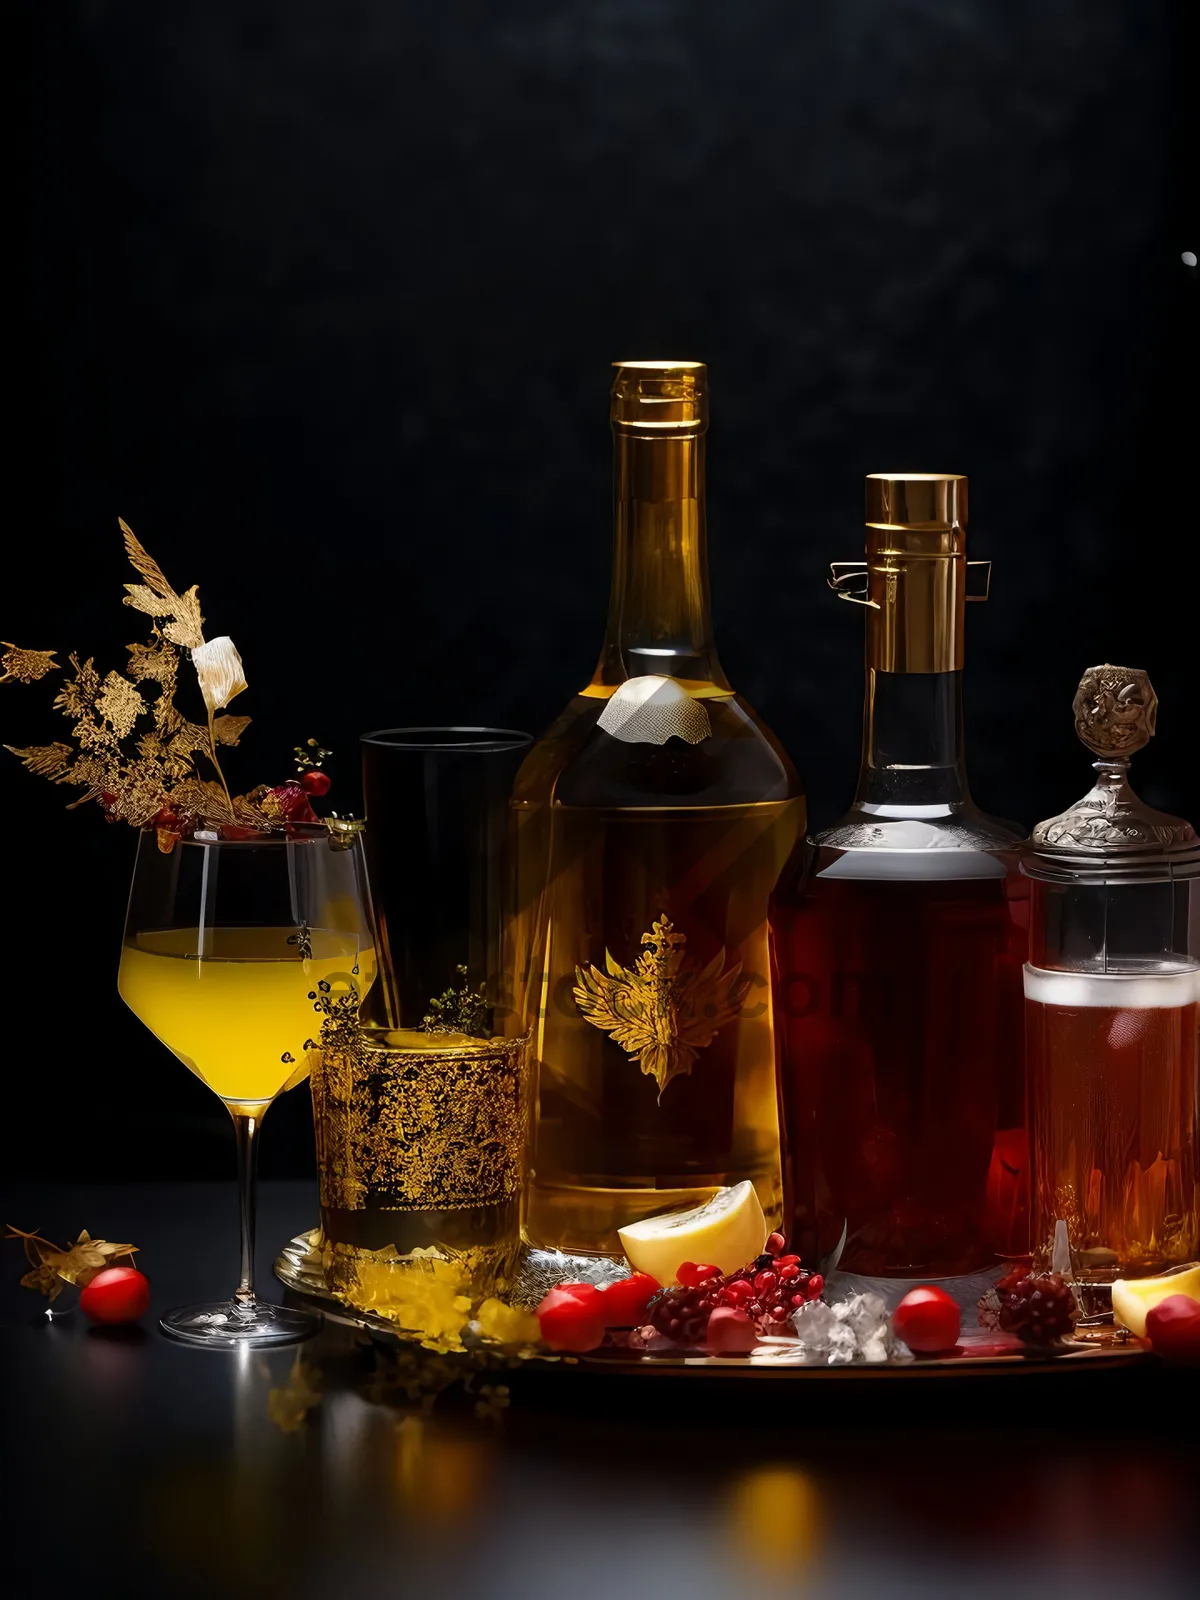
(652, 820)
(898, 939)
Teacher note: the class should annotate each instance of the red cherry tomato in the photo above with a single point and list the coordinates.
(927, 1320)
(118, 1294)
(571, 1317)
(1173, 1328)
(623, 1304)
(314, 782)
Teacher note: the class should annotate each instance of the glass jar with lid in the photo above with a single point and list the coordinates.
(1112, 1005)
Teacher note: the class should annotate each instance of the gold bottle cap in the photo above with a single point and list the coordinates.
(919, 500)
(660, 396)
(915, 571)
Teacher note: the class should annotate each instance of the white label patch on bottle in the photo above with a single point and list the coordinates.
(653, 709)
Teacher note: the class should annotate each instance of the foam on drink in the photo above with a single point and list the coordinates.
(1171, 984)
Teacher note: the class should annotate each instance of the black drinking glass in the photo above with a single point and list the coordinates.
(422, 1111)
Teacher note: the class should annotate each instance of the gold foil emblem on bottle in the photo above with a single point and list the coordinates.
(661, 1011)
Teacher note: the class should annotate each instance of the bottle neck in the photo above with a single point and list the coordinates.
(912, 742)
(658, 612)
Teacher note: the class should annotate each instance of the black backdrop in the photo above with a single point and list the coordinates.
(322, 300)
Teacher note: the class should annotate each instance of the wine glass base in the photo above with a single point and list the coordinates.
(226, 1325)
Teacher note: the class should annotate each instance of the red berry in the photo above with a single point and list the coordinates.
(292, 802)
(623, 1304)
(738, 1293)
(1039, 1307)
(118, 1294)
(927, 1320)
(764, 1282)
(315, 782)
(730, 1332)
(775, 1244)
(690, 1274)
(813, 1287)
(1173, 1329)
(571, 1317)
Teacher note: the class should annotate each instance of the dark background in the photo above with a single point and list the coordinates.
(322, 300)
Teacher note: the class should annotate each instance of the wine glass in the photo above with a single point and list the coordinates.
(232, 949)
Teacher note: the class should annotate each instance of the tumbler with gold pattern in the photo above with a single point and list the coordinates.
(422, 1112)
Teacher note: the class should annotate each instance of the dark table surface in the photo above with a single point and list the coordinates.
(140, 1467)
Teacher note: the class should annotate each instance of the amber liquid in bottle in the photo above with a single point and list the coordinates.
(898, 939)
(652, 821)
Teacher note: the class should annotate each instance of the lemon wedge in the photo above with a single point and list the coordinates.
(726, 1231)
(1133, 1297)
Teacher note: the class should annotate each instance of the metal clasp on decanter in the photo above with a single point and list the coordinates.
(843, 573)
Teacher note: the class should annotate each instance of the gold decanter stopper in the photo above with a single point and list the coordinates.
(1115, 711)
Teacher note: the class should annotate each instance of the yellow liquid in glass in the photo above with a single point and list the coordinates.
(236, 1009)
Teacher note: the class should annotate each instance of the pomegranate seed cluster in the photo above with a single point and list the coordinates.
(1039, 1307)
(768, 1291)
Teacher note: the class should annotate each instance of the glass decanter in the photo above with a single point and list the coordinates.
(897, 941)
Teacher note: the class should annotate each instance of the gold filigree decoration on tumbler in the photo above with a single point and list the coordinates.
(662, 1011)
(1115, 710)
(418, 1130)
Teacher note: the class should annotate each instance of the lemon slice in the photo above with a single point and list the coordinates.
(1133, 1297)
(727, 1231)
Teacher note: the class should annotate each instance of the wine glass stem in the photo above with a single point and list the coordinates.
(246, 1125)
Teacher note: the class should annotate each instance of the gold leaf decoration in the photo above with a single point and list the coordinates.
(228, 730)
(157, 661)
(132, 749)
(78, 694)
(78, 1263)
(119, 704)
(158, 599)
(26, 666)
(46, 760)
(662, 1012)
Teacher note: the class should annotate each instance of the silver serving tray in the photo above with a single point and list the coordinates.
(298, 1268)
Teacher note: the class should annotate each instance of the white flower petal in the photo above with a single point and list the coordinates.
(219, 669)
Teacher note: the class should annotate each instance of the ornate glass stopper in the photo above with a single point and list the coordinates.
(1115, 710)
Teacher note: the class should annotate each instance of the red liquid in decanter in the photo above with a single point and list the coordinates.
(899, 1009)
